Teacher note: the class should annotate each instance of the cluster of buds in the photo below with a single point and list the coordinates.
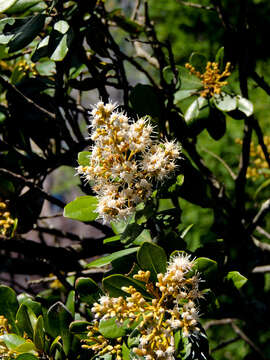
(27, 67)
(258, 163)
(173, 307)
(6, 222)
(211, 78)
(125, 161)
(5, 353)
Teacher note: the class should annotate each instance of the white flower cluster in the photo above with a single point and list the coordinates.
(125, 161)
(172, 308)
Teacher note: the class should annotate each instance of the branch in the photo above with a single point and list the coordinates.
(265, 208)
(263, 232)
(244, 337)
(261, 245)
(194, 5)
(225, 343)
(225, 321)
(32, 185)
(261, 269)
(233, 176)
(13, 88)
(260, 81)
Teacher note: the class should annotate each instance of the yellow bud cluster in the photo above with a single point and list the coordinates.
(5, 353)
(173, 307)
(258, 163)
(211, 78)
(25, 66)
(6, 222)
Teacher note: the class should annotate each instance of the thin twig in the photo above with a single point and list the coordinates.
(261, 82)
(12, 87)
(194, 5)
(221, 161)
(265, 208)
(263, 232)
(243, 336)
(225, 343)
(261, 245)
(32, 185)
(135, 10)
(225, 321)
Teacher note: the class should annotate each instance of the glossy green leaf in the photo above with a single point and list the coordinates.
(21, 6)
(6, 4)
(220, 58)
(12, 341)
(125, 352)
(184, 94)
(83, 158)
(88, 290)
(198, 61)
(39, 334)
(244, 105)
(237, 279)
(187, 80)
(152, 257)
(79, 326)
(28, 346)
(26, 357)
(42, 49)
(206, 267)
(59, 319)
(60, 40)
(105, 260)
(82, 209)
(61, 26)
(27, 300)
(27, 32)
(70, 303)
(26, 320)
(194, 109)
(225, 102)
(113, 285)
(9, 306)
(111, 329)
(112, 239)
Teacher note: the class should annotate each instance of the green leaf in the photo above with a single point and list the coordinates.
(39, 334)
(79, 327)
(27, 33)
(225, 102)
(150, 107)
(25, 324)
(6, 4)
(125, 352)
(113, 285)
(216, 124)
(59, 319)
(152, 257)
(82, 209)
(105, 260)
(83, 158)
(27, 300)
(88, 290)
(112, 239)
(198, 61)
(28, 346)
(237, 279)
(110, 329)
(70, 303)
(244, 105)
(184, 94)
(60, 40)
(188, 81)
(169, 75)
(9, 306)
(12, 341)
(207, 267)
(220, 58)
(194, 109)
(26, 357)
(132, 231)
(21, 6)
(186, 230)
(261, 187)
(42, 49)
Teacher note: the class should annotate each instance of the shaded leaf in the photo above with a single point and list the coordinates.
(111, 329)
(152, 257)
(9, 306)
(105, 260)
(88, 290)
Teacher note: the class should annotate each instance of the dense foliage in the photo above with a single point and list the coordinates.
(160, 110)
